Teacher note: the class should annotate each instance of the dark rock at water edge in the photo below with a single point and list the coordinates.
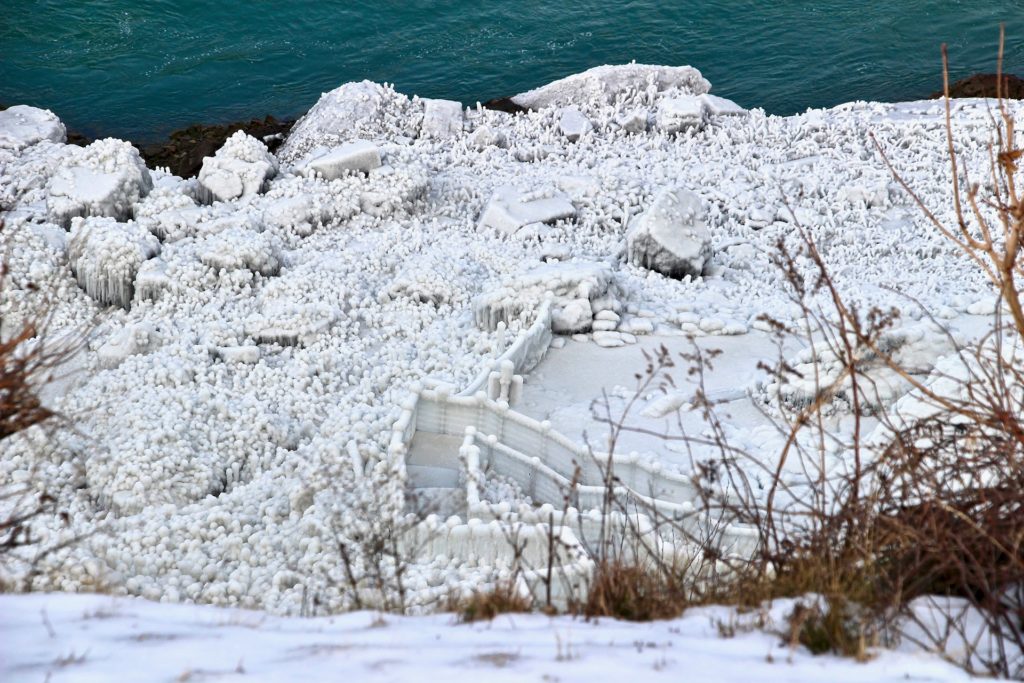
(985, 85)
(184, 151)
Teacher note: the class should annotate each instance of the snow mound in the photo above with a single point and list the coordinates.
(240, 168)
(603, 83)
(22, 126)
(581, 290)
(106, 255)
(671, 237)
(107, 178)
(511, 209)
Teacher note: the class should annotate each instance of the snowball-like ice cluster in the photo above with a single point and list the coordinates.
(107, 178)
(106, 255)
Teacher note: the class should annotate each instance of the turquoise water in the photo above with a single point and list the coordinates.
(141, 69)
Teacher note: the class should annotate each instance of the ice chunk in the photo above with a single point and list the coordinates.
(359, 155)
(485, 136)
(22, 126)
(681, 113)
(603, 83)
(240, 168)
(105, 257)
(509, 209)
(720, 106)
(441, 119)
(290, 324)
(152, 279)
(573, 123)
(297, 214)
(670, 236)
(107, 178)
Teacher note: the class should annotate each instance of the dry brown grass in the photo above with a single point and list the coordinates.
(485, 605)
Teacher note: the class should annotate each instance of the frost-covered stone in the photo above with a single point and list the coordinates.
(22, 126)
(681, 113)
(359, 155)
(510, 209)
(298, 214)
(603, 83)
(106, 255)
(288, 324)
(441, 119)
(152, 279)
(670, 237)
(107, 178)
(392, 190)
(573, 123)
(240, 168)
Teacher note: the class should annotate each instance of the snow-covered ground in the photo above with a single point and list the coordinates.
(62, 638)
(254, 332)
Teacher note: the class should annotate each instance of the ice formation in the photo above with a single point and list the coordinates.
(441, 119)
(23, 126)
(670, 237)
(240, 168)
(359, 155)
(233, 425)
(107, 178)
(105, 257)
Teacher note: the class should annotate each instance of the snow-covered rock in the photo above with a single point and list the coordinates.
(602, 83)
(358, 155)
(441, 119)
(573, 123)
(107, 178)
(486, 136)
(670, 237)
(681, 113)
(510, 209)
(634, 120)
(720, 106)
(106, 255)
(22, 126)
(240, 168)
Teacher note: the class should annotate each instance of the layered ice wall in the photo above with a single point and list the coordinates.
(253, 333)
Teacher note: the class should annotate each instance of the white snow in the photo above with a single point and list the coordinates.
(107, 178)
(66, 639)
(441, 119)
(359, 155)
(105, 257)
(511, 209)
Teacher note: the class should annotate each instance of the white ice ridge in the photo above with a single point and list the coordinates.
(245, 353)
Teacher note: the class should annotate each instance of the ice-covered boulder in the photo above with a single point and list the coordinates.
(670, 237)
(510, 209)
(573, 123)
(107, 178)
(22, 126)
(391, 190)
(358, 155)
(441, 119)
(298, 214)
(362, 110)
(581, 290)
(106, 255)
(604, 83)
(240, 168)
(288, 324)
(677, 114)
